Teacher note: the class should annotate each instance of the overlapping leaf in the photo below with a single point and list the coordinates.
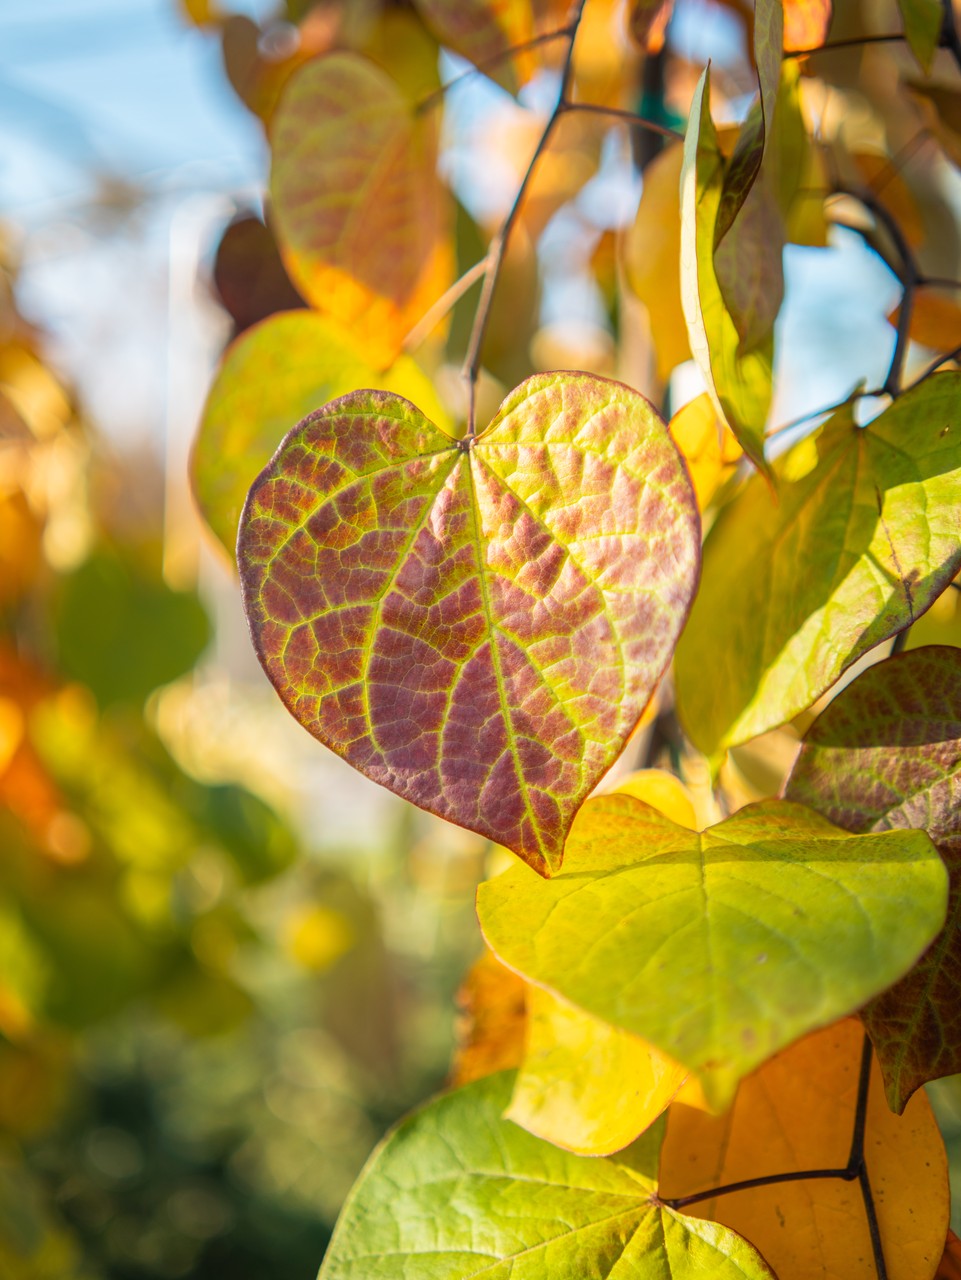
(270, 379)
(886, 754)
(477, 625)
(723, 947)
(456, 1191)
(797, 1113)
(491, 1021)
(738, 381)
(587, 1086)
(708, 446)
(358, 206)
(855, 550)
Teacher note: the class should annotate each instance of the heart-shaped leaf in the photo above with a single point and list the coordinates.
(476, 625)
(270, 379)
(358, 206)
(720, 947)
(456, 1191)
(855, 550)
(797, 1113)
(887, 754)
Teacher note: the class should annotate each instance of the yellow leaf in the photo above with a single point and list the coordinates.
(707, 445)
(652, 259)
(662, 791)
(587, 1086)
(796, 1113)
(491, 1019)
(806, 23)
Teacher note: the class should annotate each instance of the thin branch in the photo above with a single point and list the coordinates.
(874, 1231)
(856, 1156)
(849, 42)
(766, 1180)
(498, 246)
(938, 282)
(444, 303)
(909, 274)
(934, 366)
(489, 64)
(629, 117)
(817, 413)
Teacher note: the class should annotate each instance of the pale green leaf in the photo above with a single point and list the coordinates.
(793, 592)
(922, 26)
(456, 1191)
(721, 947)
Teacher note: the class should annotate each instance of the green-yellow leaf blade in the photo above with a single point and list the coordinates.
(456, 1191)
(477, 625)
(271, 378)
(723, 947)
(794, 592)
(739, 383)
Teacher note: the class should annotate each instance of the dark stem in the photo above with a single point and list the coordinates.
(849, 42)
(908, 273)
(766, 1180)
(900, 640)
(856, 1157)
(498, 246)
(949, 33)
(629, 117)
(935, 365)
(874, 1230)
(491, 63)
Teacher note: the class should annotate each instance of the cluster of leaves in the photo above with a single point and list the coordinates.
(479, 618)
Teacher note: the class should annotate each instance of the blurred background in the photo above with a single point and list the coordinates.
(227, 962)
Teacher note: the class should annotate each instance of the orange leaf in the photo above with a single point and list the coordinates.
(491, 1021)
(806, 23)
(795, 1113)
(359, 208)
(935, 321)
(950, 1265)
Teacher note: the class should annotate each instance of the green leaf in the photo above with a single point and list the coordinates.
(922, 26)
(721, 947)
(794, 592)
(739, 382)
(122, 631)
(886, 754)
(360, 212)
(456, 1191)
(271, 378)
(476, 625)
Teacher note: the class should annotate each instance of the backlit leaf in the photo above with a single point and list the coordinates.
(708, 446)
(935, 320)
(652, 254)
(587, 1086)
(456, 1191)
(483, 29)
(739, 382)
(441, 614)
(270, 379)
(796, 1113)
(806, 23)
(855, 550)
(749, 269)
(723, 947)
(662, 791)
(885, 754)
(922, 25)
(359, 208)
(879, 173)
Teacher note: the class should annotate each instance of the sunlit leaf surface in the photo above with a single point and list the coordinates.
(795, 591)
(708, 445)
(796, 1113)
(271, 378)
(739, 383)
(587, 1086)
(723, 947)
(456, 1191)
(441, 614)
(358, 206)
(887, 754)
